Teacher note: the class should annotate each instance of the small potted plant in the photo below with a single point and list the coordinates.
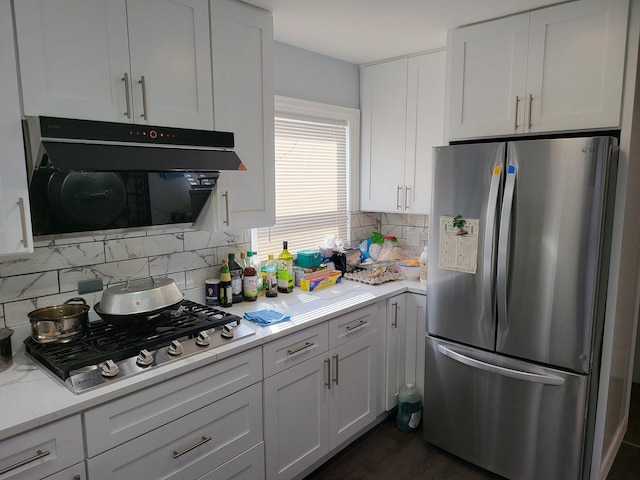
(459, 223)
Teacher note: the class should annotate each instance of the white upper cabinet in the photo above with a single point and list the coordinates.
(554, 69)
(15, 217)
(140, 61)
(242, 48)
(402, 105)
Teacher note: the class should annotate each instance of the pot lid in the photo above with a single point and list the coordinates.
(140, 296)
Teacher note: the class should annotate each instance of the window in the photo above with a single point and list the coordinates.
(314, 148)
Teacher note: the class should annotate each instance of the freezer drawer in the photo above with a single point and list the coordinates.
(513, 418)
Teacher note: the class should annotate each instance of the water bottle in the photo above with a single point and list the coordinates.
(409, 409)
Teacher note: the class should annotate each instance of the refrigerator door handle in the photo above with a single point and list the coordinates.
(545, 379)
(503, 246)
(489, 240)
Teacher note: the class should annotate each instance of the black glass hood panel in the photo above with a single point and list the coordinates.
(87, 176)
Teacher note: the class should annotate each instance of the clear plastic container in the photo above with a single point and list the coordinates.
(409, 409)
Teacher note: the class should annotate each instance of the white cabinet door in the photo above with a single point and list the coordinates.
(296, 406)
(384, 116)
(354, 382)
(15, 217)
(87, 59)
(414, 358)
(576, 65)
(488, 78)
(394, 375)
(242, 49)
(170, 62)
(73, 57)
(425, 127)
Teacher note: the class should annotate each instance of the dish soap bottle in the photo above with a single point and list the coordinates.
(250, 280)
(285, 270)
(423, 267)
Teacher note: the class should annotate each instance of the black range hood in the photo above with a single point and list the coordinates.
(86, 145)
(88, 176)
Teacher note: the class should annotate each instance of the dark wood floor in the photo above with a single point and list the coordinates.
(387, 453)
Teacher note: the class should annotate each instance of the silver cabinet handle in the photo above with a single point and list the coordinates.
(23, 222)
(327, 362)
(336, 377)
(496, 369)
(515, 127)
(406, 201)
(394, 324)
(360, 324)
(226, 207)
(398, 206)
(76, 477)
(143, 84)
(202, 441)
(127, 94)
(39, 454)
(301, 349)
(529, 116)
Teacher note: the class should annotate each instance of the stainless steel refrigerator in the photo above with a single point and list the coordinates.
(518, 262)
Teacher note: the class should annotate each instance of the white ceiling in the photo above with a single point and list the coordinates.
(363, 31)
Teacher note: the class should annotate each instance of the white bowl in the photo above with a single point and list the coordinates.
(409, 272)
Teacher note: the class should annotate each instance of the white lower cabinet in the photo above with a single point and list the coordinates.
(190, 446)
(76, 472)
(325, 399)
(42, 452)
(246, 466)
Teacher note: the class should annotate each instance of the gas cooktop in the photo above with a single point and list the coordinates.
(106, 353)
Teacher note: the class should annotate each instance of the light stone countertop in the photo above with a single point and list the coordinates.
(30, 396)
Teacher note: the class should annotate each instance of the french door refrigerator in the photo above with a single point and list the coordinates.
(518, 262)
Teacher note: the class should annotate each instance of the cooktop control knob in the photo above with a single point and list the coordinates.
(175, 348)
(203, 339)
(109, 369)
(227, 331)
(144, 358)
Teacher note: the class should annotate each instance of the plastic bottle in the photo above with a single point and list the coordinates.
(250, 280)
(271, 277)
(226, 297)
(409, 409)
(285, 270)
(423, 267)
(260, 281)
(236, 278)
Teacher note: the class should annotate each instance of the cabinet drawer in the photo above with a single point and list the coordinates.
(294, 349)
(352, 325)
(247, 466)
(77, 472)
(190, 446)
(119, 421)
(43, 451)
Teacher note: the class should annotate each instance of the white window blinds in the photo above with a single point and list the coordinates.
(311, 185)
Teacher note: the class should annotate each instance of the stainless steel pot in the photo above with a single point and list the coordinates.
(59, 323)
(138, 300)
(6, 354)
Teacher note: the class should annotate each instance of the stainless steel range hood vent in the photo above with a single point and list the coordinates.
(85, 145)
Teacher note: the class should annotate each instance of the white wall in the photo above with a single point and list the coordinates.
(307, 75)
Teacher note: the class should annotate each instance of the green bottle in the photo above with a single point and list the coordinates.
(285, 270)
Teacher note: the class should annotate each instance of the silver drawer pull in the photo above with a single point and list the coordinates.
(37, 456)
(202, 441)
(23, 222)
(301, 349)
(327, 362)
(362, 323)
(337, 367)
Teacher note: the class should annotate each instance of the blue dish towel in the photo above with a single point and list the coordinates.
(266, 317)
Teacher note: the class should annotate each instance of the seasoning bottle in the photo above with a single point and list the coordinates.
(250, 280)
(285, 270)
(226, 297)
(236, 278)
(270, 277)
